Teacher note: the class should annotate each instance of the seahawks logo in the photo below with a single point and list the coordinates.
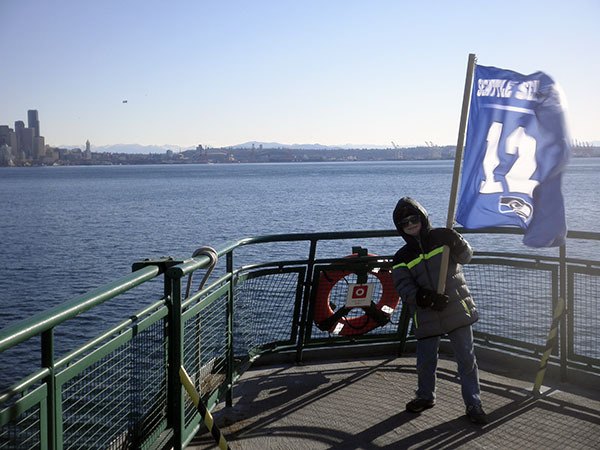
(517, 206)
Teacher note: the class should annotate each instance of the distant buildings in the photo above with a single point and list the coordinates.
(22, 145)
(25, 146)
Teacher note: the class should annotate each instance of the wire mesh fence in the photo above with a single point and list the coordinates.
(22, 433)
(584, 307)
(96, 403)
(266, 306)
(515, 302)
(205, 350)
(119, 400)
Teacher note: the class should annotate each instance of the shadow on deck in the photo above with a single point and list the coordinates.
(359, 404)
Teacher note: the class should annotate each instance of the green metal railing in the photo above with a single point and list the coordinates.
(122, 389)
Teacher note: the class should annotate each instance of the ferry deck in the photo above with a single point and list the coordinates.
(270, 376)
(358, 403)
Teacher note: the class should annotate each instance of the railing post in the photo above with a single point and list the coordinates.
(229, 375)
(304, 327)
(175, 404)
(563, 321)
(48, 362)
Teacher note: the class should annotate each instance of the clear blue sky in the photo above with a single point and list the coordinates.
(332, 72)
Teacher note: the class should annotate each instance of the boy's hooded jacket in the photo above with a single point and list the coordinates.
(417, 264)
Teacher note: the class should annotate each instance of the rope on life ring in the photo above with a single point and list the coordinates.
(377, 314)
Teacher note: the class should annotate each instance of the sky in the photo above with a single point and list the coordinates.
(333, 72)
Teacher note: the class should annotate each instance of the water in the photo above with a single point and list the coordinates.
(67, 230)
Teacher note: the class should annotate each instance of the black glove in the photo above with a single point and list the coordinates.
(440, 301)
(455, 242)
(425, 297)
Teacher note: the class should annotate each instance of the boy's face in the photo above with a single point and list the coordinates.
(411, 225)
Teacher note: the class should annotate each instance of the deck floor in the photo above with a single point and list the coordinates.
(359, 404)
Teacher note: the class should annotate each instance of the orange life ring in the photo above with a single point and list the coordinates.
(379, 315)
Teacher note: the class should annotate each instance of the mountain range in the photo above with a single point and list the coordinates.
(146, 149)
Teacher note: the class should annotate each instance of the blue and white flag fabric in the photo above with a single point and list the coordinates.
(515, 153)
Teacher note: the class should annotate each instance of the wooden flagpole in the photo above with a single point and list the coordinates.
(457, 168)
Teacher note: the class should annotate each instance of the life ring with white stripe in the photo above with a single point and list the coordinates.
(378, 314)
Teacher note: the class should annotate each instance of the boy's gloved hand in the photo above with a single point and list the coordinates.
(425, 297)
(440, 301)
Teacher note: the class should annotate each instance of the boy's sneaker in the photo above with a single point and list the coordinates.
(476, 414)
(418, 405)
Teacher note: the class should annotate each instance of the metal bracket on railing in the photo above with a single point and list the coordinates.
(362, 274)
(163, 263)
(214, 257)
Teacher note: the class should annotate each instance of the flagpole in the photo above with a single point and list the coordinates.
(457, 167)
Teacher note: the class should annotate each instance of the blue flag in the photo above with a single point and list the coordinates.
(515, 154)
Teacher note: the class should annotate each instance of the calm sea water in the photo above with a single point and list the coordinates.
(67, 230)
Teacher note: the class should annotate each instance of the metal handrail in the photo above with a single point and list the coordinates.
(46, 320)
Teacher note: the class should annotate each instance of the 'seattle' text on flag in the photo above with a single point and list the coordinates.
(515, 153)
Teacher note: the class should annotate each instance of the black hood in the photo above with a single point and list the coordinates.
(405, 207)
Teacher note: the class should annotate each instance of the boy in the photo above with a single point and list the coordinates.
(416, 271)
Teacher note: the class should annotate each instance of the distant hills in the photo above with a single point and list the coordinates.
(147, 149)
(266, 145)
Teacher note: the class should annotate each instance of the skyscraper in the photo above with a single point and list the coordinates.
(38, 150)
(27, 142)
(19, 127)
(33, 121)
(87, 154)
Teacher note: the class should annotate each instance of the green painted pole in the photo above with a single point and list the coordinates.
(305, 327)
(229, 337)
(175, 404)
(563, 322)
(48, 362)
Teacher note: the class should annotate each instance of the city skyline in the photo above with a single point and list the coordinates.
(22, 143)
(333, 73)
(25, 146)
